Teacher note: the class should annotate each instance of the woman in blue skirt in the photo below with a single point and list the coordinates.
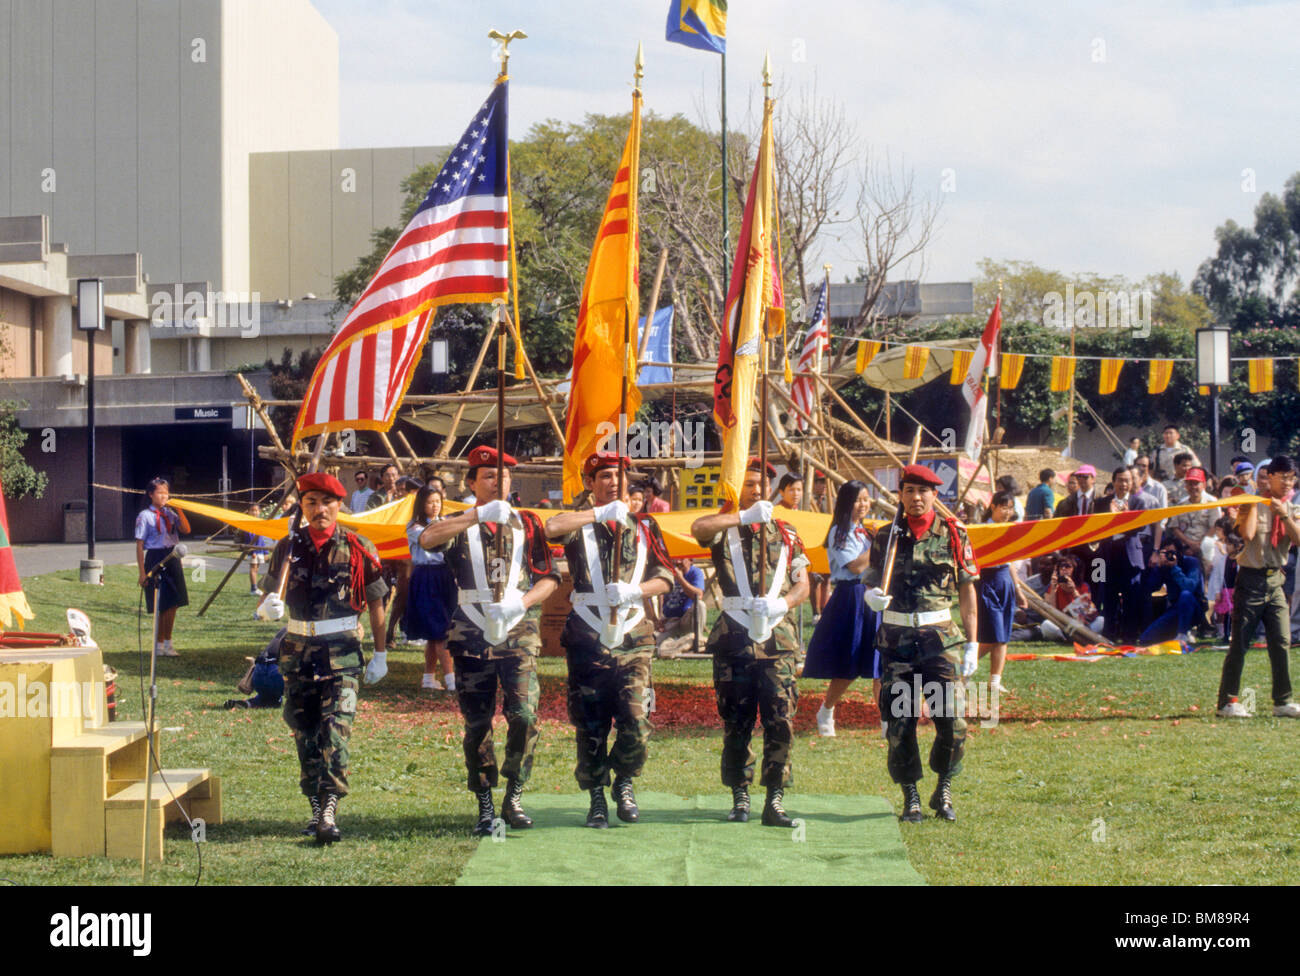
(998, 600)
(843, 646)
(431, 599)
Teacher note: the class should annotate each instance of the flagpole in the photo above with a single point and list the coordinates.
(498, 577)
(997, 352)
(762, 360)
(726, 226)
(629, 312)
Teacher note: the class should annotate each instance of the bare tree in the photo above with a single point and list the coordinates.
(895, 225)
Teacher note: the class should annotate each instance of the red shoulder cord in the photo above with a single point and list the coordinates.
(358, 556)
(958, 550)
(652, 538)
(529, 534)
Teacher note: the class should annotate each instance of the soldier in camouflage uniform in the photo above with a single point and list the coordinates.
(921, 646)
(334, 574)
(609, 666)
(753, 644)
(492, 642)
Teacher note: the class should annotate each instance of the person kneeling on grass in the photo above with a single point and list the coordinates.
(1180, 573)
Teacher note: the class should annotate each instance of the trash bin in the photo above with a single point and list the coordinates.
(74, 521)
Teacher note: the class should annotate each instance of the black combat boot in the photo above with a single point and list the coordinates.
(739, 804)
(625, 799)
(327, 831)
(487, 814)
(310, 829)
(774, 814)
(941, 802)
(512, 810)
(598, 815)
(911, 804)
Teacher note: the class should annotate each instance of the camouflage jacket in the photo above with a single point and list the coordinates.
(464, 637)
(576, 629)
(728, 636)
(926, 575)
(321, 587)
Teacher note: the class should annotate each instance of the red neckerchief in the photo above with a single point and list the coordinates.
(920, 526)
(318, 537)
(1275, 532)
(162, 522)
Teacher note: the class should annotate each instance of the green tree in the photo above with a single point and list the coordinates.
(19, 478)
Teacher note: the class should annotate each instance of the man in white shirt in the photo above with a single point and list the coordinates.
(357, 502)
(1162, 458)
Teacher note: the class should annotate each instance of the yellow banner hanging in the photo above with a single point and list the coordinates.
(1109, 376)
(1161, 371)
(960, 365)
(1203, 391)
(867, 349)
(914, 361)
(1013, 364)
(1062, 373)
(1260, 373)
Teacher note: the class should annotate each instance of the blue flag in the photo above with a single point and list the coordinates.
(658, 348)
(700, 24)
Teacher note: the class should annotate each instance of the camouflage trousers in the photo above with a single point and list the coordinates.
(1258, 596)
(608, 689)
(906, 680)
(476, 691)
(747, 688)
(320, 703)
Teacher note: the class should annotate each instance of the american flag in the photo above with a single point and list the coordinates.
(818, 338)
(455, 250)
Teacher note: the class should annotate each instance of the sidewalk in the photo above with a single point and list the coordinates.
(36, 560)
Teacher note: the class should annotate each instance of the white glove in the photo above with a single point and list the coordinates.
(377, 668)
(760, 511)
(771, 607)
(623, 594)
(502, 617)
(495, 511)
(271, 608)
(615, 511)
(877, 599)
(970, 660)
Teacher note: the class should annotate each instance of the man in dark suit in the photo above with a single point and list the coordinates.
(1123, 600)
(1083, 502)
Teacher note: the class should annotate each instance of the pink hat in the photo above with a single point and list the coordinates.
(1086, 469)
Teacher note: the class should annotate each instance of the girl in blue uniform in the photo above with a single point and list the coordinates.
(431, 599)
(998, 599)
(157, 532)
(843, 646)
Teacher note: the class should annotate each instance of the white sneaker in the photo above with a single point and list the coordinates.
(1289, 710)
(450, 681)
(1235, 709)
(826, 721)
(165, 649)
(884, 729)
(430, 683)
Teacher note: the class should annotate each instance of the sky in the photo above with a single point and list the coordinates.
(1104, 137)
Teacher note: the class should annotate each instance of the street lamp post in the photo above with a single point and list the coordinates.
(90, 320)
(1213, 369)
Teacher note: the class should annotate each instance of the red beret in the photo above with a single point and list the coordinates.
(919, 474)
(754, 463)
(604, 459)
(484, 456)
(320, 481)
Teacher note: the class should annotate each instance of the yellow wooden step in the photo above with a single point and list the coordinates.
(196, 789)
(180, 782)
(106, 739)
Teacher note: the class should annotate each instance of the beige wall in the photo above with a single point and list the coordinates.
(312, 213)
(18, 335)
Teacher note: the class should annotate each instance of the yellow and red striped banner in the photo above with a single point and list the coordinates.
(1013, 364)
(867, 350)
(1260, 375)
(1158, 376)
(1109, 376)
(1062, 373)
(960, 366)
(914, 360)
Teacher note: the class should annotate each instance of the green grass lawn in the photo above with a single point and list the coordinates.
(1112, 772)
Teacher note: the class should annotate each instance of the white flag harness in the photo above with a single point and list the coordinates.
(473, 601)
(738, 607)
(626, 617)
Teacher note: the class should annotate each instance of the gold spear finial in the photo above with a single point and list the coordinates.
(638, 69)
(767, 69)
(505, 40)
